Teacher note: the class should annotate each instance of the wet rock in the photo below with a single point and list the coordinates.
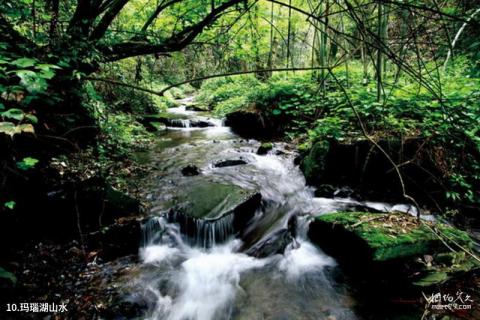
(190, 170)
(201, 123)
(274, 244)
(229, 163)
(325, 191)
(210, 212)
(346, 192)
(264, 148)
(173, 120)
(297, 160)
(357, 164)
(249, 124)
(313, 164)
(390, 247)
(195, 107)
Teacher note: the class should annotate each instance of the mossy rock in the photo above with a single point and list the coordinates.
(381, 237)
(264, 148)
(211, 200)
(210, 212)
(313, 164)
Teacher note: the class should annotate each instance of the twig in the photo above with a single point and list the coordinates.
(439, 234)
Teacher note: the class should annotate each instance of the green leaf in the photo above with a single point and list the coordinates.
(24, 62)
(276, 112)
(8, 128)
(10, 204)
(13, 113)
(31, 118)
(26, 127)
(46, 67)
(47, 74)
(33, 82)
(8, 275)
(27, 163)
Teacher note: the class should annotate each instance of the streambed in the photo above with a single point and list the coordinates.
(187, 277)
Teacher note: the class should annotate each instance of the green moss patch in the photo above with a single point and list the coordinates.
(211, 200)
(393, 236)
(313, 164)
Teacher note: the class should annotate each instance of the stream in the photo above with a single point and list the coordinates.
(210, 275)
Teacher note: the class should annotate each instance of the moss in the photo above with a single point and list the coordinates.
(313, 164)
(445, 266)
(267, 146)
(432, 278)
(392, 236)
(211, 200)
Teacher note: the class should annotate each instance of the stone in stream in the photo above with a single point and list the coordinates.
(275, 243)
(190, 170)
(264, 148)
(249, 124)
(195, 107)
(229, 163)
(391, 247)
(173, 120)
(325, 191)
(210, 212)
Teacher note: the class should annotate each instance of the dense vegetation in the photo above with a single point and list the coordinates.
(77, 78)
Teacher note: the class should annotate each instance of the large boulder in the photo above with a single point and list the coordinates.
(249, 124)
(156, 122)
(264, 148)
(391, 246)
(229, 163)
(360, 165)
(210, 212)
(190, 170)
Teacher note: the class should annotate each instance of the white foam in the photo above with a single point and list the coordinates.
(304, 259)
(157, 253)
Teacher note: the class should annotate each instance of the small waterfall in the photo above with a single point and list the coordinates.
(179, 123)
(209, 233)
(201, 232)
(152, 231)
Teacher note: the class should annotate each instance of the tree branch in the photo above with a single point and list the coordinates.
(176, 42)
(157, 11)
(162, 92)
(107, 19)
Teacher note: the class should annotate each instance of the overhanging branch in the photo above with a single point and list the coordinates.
(230, 74)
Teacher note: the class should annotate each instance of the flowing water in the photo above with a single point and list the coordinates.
(184, 280)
